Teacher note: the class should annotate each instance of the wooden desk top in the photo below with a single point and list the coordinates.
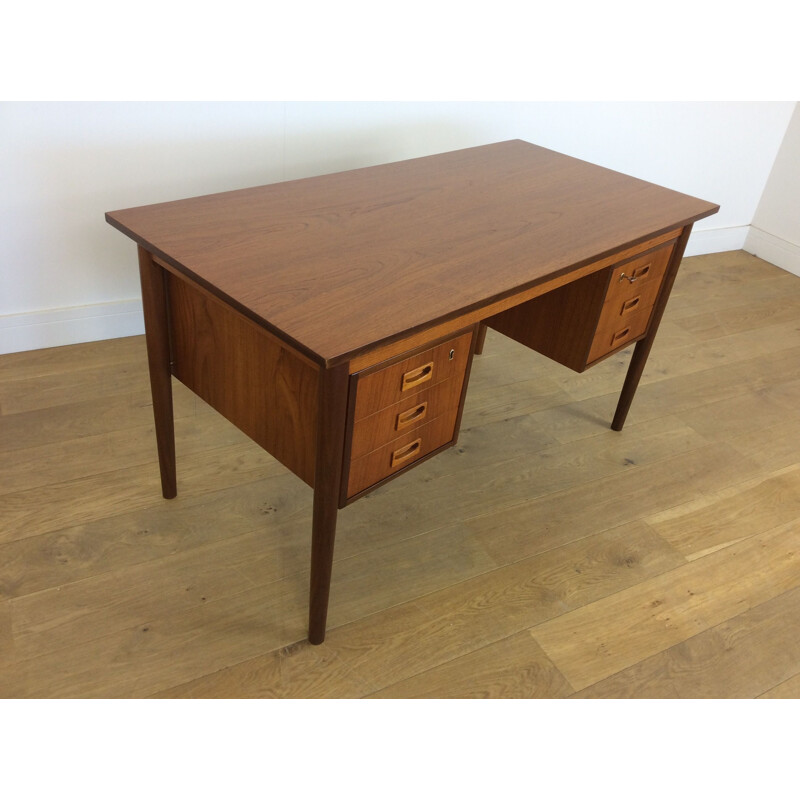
(339, 263)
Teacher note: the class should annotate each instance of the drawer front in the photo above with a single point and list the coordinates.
(617, 331)
(402, 417)
(639, 277)
(405, 450)
(406, 378)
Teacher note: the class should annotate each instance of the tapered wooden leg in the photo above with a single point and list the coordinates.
(643, 346)
(331, 419)
(480, 338)
(154, 302)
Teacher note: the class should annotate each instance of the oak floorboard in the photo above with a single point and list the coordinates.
(481, 468)
(266, 508)
(89, 417)
(487, 404)
(172, 649)
(494, 602)
(785, 391)
(404, 640)
(739, 658)
(298, 671)
(533, 473)
(97, 624)
(7, 649)
(513, 667)
(726, 380)
(42, 509)
(727, 280)
(788, 690)
(72, 358)
(772, 448)
(733, 267)
(698, 356)
(131, 596)
(527, 528)
(608, 635)
(731, 349)
(88, 383)
(98, 606)
(719, 519)
(56, 462)
(748, 316)
(724, 419)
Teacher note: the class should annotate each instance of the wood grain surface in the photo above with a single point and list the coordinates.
(339, 263)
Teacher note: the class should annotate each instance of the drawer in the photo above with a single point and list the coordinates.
(616, 331)
(402, 417)
(405, 450)
(639, 277)
(403, 379)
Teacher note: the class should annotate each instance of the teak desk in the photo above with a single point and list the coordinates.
(334, 319)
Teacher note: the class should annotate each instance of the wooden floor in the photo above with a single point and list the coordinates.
(544, 556)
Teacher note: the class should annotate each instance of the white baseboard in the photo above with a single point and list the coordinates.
(773, 249)
(59, 326)
(716, 240)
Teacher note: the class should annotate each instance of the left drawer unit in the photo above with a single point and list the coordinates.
(403, 410)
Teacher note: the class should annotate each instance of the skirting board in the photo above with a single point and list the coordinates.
(61, 326)
(773, 249)
(716, 240)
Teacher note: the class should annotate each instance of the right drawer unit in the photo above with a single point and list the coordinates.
(584, 321)
(631, 293)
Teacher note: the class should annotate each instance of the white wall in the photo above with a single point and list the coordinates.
(67, 276)
(775, 232)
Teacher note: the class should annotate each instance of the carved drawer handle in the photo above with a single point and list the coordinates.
(620, 335)
(412, 415)
(629, 305)
(416, 376)
(404, 453)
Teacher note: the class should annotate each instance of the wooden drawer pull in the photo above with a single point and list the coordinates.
(412, 415)
(404, 453)
(629, 305)
(415, 377)
(620, 335)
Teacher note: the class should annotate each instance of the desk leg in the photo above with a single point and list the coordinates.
(331, 417)
(643, 346)
(480, 338)
(154, 302)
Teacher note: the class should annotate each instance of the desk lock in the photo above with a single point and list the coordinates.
(639, 272)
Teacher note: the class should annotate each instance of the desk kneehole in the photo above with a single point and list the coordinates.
(404, 410)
